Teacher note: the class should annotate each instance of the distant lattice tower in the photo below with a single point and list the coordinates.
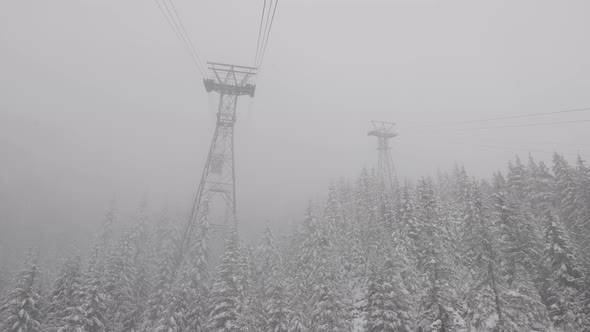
(217, 188)
(385, 168)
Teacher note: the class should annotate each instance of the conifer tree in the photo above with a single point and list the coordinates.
(64, 293)
(566, 193)
(328, 312)
(482, 259)
(388, 307)
(438, 302)
(156, 303)
(347, 201)
(460, 184)
(277, 312)
(387, 218)
(408, 222)
(271, 278)
(302, 271)
(139, 293)
(19, 312)
(496, 298)
(88, 314)
(583, 189)
(582, 175)
(367, 211)
(163, 232)
(517, 179)
(3, 279)
(225, 305)
(429, 216)
(177, 303)
(250, 293)
(120, 281)
(333, 213)
(199, 274)
(565, 278)
(520, 241)
(107, 232)
(541, 188)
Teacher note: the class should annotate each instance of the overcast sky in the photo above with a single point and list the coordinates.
(98, 100)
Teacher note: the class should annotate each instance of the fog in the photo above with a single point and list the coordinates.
(99, 103)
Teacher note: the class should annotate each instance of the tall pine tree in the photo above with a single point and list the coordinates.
(225, 302)
(20, 312)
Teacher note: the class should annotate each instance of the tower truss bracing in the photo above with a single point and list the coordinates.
(385, 168)
(217, 187)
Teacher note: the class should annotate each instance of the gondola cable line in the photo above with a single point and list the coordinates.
(509, 117)
(181, 38)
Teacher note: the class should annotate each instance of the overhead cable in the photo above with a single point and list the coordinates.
(269, 30)
(525, 115)
(530, 124)
(498, 118)
(527, 150)
(175, 28)
(266, 24)
(260, 32)
(188, 37)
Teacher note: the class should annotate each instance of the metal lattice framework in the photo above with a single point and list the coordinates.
(218, 182)
(385, 168)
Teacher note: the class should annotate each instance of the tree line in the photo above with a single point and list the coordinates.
(443, 254)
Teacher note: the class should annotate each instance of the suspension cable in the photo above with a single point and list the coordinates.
(174, 26)
(188, 37)
(259, 33)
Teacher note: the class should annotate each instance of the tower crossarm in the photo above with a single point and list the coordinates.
(382, 129)
(382, 134)
(231, 79)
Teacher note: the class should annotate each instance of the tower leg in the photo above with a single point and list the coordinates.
(217, 189)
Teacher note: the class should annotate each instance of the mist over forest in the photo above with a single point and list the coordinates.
(294, 166)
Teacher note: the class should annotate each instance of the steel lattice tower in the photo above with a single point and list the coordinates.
(217, 188)
(385, 169)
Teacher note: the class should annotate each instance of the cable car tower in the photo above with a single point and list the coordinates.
(385, 169)
(217, 188)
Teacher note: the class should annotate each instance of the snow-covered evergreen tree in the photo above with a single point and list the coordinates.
(156, 304)
(3, 279)
(389, 302)
(225, 301)
(517, 178)
(120, 279)
(408, 222)
(333, 213)
(301, 270)
(485, 293)
(328, 311)
(176, 308)
(19, 311)
(540, 188)
(64, 293)
(569, 210)
(438, 299)
(565, 299)
(88, 311)
(520, 238)
(199, 275)
(273, 293)
(582, 175)
(163, 280)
